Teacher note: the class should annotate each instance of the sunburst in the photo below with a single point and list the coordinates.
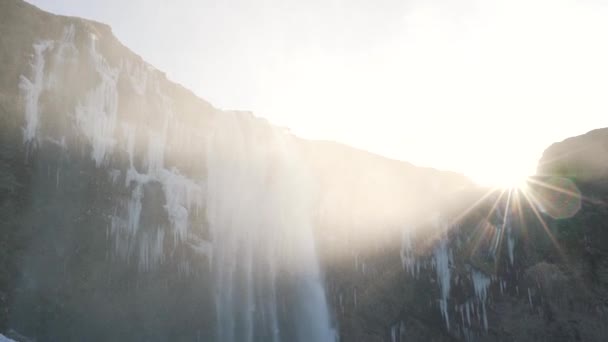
(547, 198)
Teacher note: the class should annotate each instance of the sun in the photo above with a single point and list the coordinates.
(504, 177)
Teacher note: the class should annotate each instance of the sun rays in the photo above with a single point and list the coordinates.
(536, 202)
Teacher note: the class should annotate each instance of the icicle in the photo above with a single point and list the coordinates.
(156, 151)
(443, 307)
(408, 259)
(510, 246)
(134, 210)
(202, 247)
(442, 268)
(138, 75)
(461, 310)
(32, 89)
(481, 282)
(496, 239)
(114, 175)
(397, 331)
(151, 249)
(181, 195)
(97, 114)
(66, 50)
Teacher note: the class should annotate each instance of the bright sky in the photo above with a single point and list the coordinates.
(475, 86)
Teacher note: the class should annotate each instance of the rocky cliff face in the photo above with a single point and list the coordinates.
(133, 210)
(584, 158)
(517, 265)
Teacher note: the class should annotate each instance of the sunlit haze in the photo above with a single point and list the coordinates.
(478, 87)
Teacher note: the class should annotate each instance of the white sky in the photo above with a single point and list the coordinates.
(480, 87)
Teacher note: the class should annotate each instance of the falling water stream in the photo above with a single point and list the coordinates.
(259, 208)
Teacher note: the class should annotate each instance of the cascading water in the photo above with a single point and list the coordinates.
(259, 209)
(255, 192)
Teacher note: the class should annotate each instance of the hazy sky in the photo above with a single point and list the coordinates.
(480, 87)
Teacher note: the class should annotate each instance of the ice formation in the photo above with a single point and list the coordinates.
(5, 339)
(474, 308)
(441, 260)
(510, 240)
(397, 331)
(31, 90)
(254, 193)
(508, 230)
(151, 249)
(510, 246)
(481, 282)
(408, 258)
(97, 114)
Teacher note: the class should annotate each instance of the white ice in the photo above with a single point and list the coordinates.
(481, 283)
(441, 258)
(5, 339)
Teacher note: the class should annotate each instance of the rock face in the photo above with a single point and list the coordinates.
(133, 210)
(584, 157)
(522, 265)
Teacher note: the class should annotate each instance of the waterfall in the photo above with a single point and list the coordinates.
(259, 207)
(256, 193)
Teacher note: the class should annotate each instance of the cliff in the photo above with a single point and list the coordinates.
(133, 210)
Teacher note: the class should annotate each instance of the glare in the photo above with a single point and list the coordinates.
(509, 177)
(469, 92)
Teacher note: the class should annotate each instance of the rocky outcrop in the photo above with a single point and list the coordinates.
(584, 158)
